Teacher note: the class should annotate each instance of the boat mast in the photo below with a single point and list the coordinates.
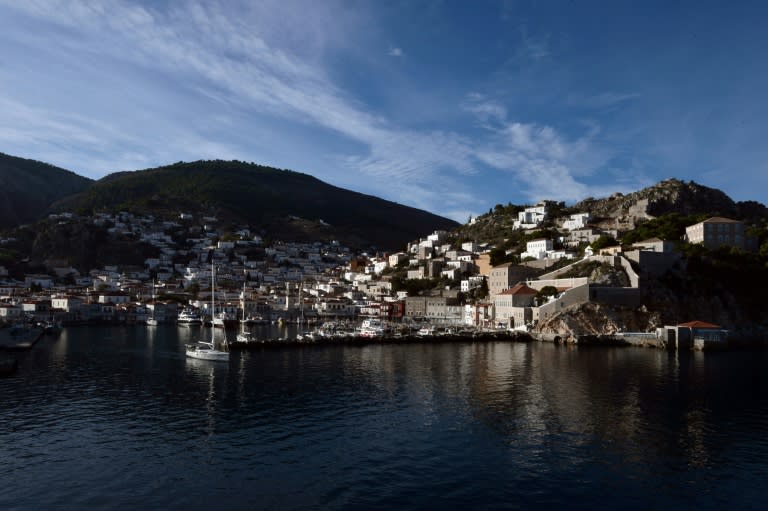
(242, 306)
(213, 303)
(301, 302)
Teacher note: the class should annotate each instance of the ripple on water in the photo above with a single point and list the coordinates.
(490, 426)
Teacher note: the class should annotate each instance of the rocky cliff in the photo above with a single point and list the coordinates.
(624, 212)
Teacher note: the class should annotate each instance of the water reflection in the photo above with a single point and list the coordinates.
(382, 426)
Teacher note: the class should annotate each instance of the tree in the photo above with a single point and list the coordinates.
(544, 293)
(603, 242)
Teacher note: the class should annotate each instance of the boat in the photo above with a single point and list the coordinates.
(50, 327)
(244, 336)
(254, 320)
(207, 350)
(189, 316)
(224, 320)
(371, 328)
(426, 331)
(152, 321)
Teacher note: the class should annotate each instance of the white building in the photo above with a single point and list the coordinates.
(537, 248)
(398, 258)
(10, 312)
(576, 221)
(715, 232)
(44, 281)
(470, 246)
(531, 217)
(471, 283)
(437, 237)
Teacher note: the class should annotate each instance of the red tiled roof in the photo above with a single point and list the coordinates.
(698, 324)
(519, 289)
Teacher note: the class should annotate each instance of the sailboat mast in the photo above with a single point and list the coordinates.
(213, 302)
(242, 306)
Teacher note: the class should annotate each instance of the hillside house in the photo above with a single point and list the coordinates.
(397, 258)
(576, 221)
(655, 245)
(473, 282)
(11, 312)
(504, 276)
(513, 307)
(537, 248)
(40, 309)
(43, 281)
(530, 218)
(716, 232)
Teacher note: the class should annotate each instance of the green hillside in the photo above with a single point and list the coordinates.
(282, 204)
(29, 187)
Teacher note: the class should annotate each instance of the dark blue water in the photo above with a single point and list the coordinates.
(118, 418)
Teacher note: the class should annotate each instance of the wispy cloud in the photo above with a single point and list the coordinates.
(211, 80)
(222, 59)
(486, 110)
(544, 162)
(603, 100)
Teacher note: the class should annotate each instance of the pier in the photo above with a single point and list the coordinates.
(17, 338)
(359, 340)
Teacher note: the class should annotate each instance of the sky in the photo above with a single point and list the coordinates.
(448, 106)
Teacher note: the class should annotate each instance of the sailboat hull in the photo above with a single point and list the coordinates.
(207, 350)
(208, 354)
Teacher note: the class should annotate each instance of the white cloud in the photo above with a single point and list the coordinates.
(545, 162)
(207, 51)
(485, 109)
(252, 63)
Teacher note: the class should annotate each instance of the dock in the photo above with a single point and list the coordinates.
(18, 338)
(361, 340)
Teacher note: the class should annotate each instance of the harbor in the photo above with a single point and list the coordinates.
(116, 416)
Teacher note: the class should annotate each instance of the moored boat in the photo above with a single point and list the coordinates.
(207, 350)
(189, 317)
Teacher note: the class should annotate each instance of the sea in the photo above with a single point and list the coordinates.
(117, 418)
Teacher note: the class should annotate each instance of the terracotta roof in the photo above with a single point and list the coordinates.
(519, 289)
(699, 324)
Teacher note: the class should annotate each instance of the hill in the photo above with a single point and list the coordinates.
(280, 204)
(661, 210)
(625, 212)
(720, 285)
(29, 187)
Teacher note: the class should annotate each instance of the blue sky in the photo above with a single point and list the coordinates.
(449, 106)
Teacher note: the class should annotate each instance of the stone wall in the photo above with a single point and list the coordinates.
(539, 284)
(653, 264)
(574, 296)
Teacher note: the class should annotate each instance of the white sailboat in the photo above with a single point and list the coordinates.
(152, 320)
(243, 336)
(207, 350)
